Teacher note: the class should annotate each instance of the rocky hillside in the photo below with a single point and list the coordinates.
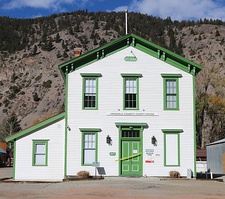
(33, 89)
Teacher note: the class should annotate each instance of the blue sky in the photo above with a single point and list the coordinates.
(176, 9)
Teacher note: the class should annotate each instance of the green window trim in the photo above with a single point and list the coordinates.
(92, 133)
(91, 74)
(90, 100)
(131, 91)
(35, 153)
(171, 97)
(174, 132)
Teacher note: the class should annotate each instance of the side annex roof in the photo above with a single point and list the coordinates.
(124, 42)
(36, 127)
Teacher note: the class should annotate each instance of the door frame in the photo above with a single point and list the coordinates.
(128, 126)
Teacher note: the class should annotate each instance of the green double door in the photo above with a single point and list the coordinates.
(131, 153)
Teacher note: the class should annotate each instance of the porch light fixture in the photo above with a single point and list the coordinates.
(109, 140)
(154, 141)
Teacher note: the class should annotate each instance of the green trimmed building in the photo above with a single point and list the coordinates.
(130, 108)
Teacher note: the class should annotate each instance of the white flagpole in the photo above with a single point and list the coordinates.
(126, 20)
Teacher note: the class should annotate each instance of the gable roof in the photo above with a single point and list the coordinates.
(36, 127)
(124, 42)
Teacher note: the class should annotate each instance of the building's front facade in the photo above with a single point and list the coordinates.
(130, 106)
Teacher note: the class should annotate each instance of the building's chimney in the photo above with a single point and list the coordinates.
(77, 52)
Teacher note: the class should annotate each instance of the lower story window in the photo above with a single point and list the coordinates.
(89, 148)
(40, 152)
(172, 147)
(89, 145)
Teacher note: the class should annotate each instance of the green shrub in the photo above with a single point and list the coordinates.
(47, 84)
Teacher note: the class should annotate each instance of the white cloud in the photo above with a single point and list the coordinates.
(121, 8)
(45, 4)
(180, 9)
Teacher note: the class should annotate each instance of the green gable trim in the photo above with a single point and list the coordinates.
(131, 75)
(90, 129)
(91, 74)
(124, 42)
(35, 127)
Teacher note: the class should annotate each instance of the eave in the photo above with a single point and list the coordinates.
(124, 42)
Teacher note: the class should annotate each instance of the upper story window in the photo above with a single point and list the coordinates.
(90, 91)
(131, 91)
(171, 91)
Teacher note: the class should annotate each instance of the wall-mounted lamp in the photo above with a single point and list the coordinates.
(109, 140)
(68, 127)
(154, 141)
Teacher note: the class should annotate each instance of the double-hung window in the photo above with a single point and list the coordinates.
(131, 91)
(90, 91)
(171, 91)
(40, 152)
(89, 145)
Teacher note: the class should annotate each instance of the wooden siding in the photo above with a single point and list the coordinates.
(3, 145)
(110, 100)
(54, 171)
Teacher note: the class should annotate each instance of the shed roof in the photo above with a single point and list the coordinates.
(216, 142)
(124, 42)
(36, 127)
(2, 151)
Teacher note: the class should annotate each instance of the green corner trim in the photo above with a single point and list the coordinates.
(14, 161)
(66, 125)
(35, 127)
(194, 128)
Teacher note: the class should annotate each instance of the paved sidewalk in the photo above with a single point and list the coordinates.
(6, 172)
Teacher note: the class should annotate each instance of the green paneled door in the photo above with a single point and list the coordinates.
(131, 156)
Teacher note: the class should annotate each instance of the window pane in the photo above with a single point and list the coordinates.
(40, 148)
(89, 156)
(89, 141)
(40, 159)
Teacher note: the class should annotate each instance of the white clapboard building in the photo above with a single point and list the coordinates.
(130, 108)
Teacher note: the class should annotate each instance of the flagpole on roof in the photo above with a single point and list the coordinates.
(126, 11)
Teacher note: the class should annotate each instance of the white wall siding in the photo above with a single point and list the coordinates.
(110, 100)
(54, 171)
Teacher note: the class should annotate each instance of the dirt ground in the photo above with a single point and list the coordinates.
(116, 187)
